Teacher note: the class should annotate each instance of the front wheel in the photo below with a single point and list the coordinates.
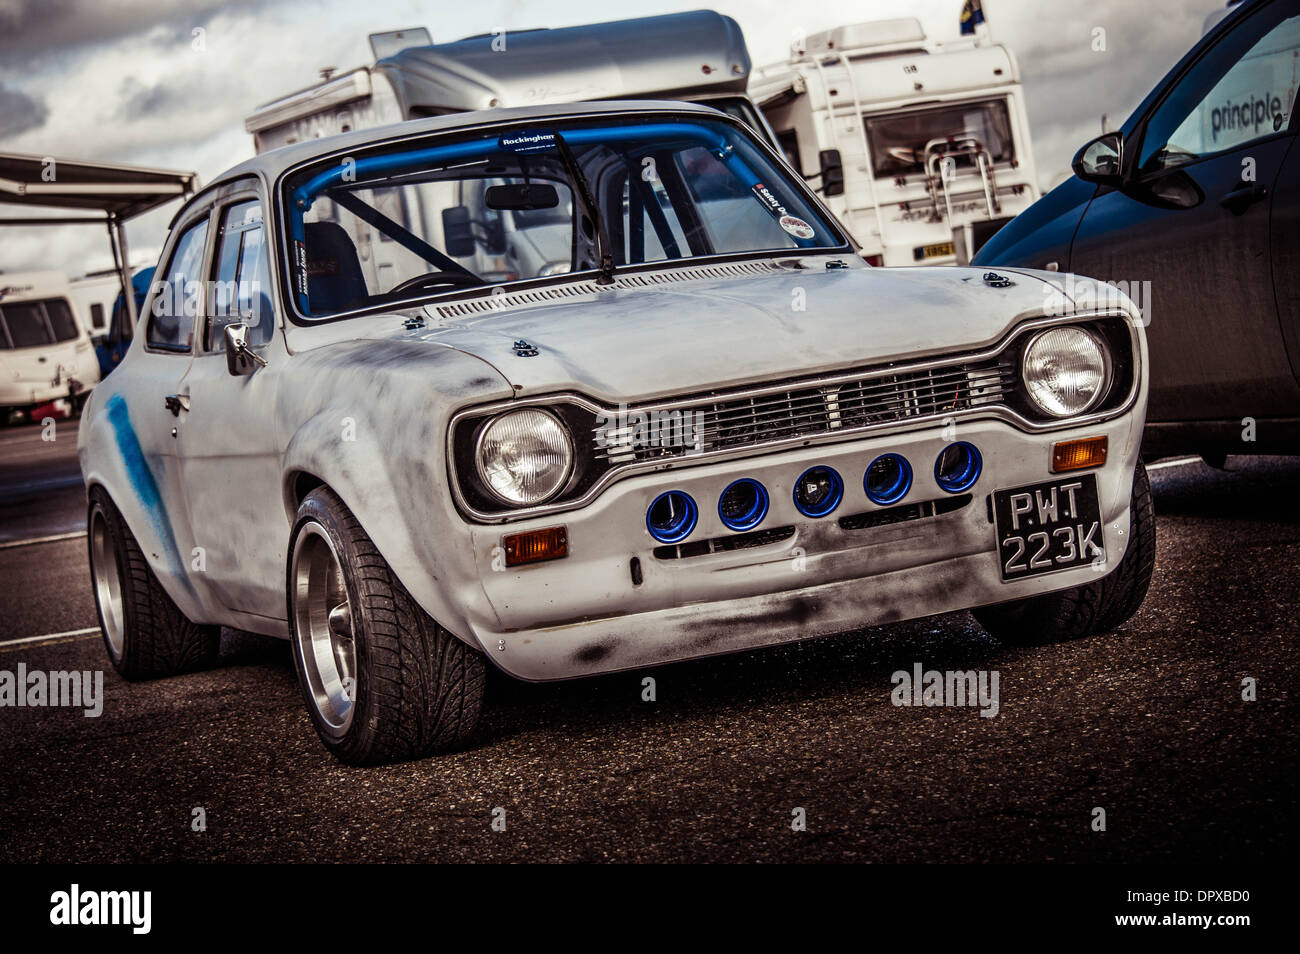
(382, 680)
(1094, 607)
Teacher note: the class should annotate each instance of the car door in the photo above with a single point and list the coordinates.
(150, 425)
(1286, 256)
(1189, 231)
(228, 445)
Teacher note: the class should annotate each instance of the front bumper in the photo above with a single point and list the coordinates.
(584, 614)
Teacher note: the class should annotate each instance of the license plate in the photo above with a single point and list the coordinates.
(1047, 527)
(942, 250)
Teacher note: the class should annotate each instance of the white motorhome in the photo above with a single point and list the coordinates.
(699, 56)
(920, 147)
(45, 353)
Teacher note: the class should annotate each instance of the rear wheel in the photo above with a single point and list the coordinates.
(146, 634)
(1095, 607)
(382, 680)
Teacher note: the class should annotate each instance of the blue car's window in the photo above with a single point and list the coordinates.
(1243, 90)
(424, 217)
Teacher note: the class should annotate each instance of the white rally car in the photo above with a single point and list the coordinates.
(715, 431)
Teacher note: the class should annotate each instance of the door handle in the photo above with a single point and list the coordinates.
(1240, 199)
(177, 403)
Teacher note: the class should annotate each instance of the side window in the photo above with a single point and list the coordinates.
(97, 316)
(1241, 91)
(175, 303)
(241, 291)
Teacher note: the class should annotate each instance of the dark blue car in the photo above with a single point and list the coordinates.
(1193, 209)
(111, 346)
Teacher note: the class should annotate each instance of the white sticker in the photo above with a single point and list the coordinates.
(797, 227)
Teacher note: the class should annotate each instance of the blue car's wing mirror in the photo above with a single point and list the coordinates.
(1102, 160)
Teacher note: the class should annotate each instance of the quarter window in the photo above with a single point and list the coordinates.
(241, 292)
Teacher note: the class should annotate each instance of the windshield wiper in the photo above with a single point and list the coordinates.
(580, 186)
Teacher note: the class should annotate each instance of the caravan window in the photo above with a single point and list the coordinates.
(33, 324)
(902, 142)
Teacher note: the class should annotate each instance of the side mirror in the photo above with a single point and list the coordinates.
(457, 233)
(99, 341)
(1102, 160)
(240, 358)
(832, 172)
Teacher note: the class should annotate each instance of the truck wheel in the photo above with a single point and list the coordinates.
(382, 680)
(146, 634)
(1095, 607)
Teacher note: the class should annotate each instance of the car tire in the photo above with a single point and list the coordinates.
(383, 681)
(1095, 607)
(146, 634)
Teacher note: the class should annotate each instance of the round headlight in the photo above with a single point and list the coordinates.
(524, 456)
(1064, 371)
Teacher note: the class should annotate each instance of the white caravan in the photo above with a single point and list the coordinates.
(93, 296)
(920, 147)
(45, 353)
(699, 56)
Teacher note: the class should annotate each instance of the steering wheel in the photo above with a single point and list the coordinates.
(436, 278)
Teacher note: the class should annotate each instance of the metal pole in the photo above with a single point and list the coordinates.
(117, 238)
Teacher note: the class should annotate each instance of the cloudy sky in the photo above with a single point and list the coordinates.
(131, 80)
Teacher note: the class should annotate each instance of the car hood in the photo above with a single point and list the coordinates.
(632, 342)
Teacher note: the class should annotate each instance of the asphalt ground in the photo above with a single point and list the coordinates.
(1147, 723)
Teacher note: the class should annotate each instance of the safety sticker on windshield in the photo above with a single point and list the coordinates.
(792, 224)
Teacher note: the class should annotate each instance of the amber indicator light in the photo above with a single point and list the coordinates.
(536, 546)
(1079, 455)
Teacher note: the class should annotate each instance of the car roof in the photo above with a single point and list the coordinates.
(271, 164)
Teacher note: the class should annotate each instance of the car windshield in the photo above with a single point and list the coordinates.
(409, 219)
(903, 143)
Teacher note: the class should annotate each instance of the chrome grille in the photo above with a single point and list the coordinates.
(685, 429)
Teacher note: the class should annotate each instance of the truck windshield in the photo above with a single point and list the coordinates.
(415, 218)
(34, 324)
(902, 142)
